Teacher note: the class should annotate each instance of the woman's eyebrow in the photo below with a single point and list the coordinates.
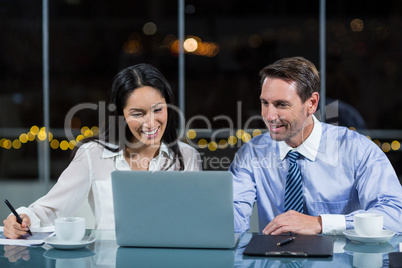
(157, 104)
(135, 109)
(139, 109)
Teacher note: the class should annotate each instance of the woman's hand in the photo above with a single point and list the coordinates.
(14, 230)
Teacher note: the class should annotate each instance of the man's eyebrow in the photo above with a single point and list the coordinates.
(283, 101)
(277, 101)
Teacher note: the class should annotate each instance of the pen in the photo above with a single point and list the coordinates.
(290, 239)
(19, 220)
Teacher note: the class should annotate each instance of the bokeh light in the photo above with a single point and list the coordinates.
(239, 133)
(255, 41)
(16, 144)
(212, 146)
(190, 45)
(54, 144)
(256, 132)
(223, 144)
(132, 47)
(95, 130)
(149, 28)
(7, 144)
(357, 25)
(83, 129)
(64, 145)
(193, 45)
(35, 130)
(23, 138)
(202, 143)
(386, 147)
(246, 137)
(395, 145)
(88, 133)
(72, 144)
(232, 140)
(31, 136)
(50, 135)
(42, 135)
(191, 134)
(79, 138)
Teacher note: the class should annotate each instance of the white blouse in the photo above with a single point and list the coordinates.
(88, 177)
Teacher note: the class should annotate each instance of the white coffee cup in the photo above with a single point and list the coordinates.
(368, 224)
(70, 229)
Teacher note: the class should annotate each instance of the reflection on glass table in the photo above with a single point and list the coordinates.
(104, 252)
(368, 255)
(79, 258)
(163, 257)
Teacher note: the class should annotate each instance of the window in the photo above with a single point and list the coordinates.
(226, 44)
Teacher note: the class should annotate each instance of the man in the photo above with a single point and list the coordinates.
(334, 172)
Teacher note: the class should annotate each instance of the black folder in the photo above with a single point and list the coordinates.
(301, 246)
(395, 259)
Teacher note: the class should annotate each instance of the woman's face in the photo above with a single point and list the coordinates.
(146, 115)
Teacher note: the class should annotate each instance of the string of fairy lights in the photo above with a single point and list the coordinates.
(36, 134)
(40, 135)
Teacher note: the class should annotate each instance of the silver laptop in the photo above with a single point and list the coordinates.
(174, 209)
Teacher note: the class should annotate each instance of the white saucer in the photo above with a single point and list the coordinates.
(54, 242)
(382, 238)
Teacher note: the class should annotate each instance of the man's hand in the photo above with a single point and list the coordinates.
(14, 230)
(295, 222)
(14, 253)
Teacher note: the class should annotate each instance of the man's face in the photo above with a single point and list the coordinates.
(287, 118)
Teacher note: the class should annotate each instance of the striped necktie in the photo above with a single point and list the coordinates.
(294, 186)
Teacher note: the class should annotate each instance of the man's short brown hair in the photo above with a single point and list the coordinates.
(295, 69)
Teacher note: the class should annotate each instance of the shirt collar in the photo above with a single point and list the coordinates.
(309, 148)
(107, 153)
(165, 150)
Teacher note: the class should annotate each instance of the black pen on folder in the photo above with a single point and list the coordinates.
(290, 239)
(19, 220)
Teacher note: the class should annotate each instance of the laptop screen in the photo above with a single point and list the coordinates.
(174, 209)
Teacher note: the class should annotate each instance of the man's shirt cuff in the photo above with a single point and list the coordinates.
(333, 224)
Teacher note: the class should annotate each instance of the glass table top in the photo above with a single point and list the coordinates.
(104, 252)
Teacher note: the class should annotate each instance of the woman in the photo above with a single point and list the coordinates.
(139, 134)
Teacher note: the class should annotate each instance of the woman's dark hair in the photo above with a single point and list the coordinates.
(124, 84)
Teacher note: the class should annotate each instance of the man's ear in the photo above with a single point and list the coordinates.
(312, 103)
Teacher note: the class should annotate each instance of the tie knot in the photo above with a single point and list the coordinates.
(293, 155)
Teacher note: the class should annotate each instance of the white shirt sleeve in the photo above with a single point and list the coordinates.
(333, 224)
(35, 221)
(66, 196)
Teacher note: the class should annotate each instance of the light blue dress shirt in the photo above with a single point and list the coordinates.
(344, 173)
